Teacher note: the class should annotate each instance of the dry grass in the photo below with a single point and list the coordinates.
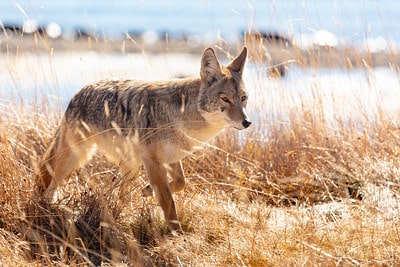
(303, 194)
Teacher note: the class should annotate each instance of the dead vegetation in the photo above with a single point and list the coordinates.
(306, 196)
(295, 192)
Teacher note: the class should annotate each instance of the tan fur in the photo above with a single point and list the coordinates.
(152, 123)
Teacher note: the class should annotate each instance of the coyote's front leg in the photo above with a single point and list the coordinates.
(175, 172)
(157, 175)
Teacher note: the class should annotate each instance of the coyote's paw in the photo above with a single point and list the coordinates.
(175, 228)
(177, 232)
(147, 191)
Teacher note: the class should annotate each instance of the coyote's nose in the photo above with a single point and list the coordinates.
(246, 123)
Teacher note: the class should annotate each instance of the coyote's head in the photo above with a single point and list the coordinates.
(223, 96)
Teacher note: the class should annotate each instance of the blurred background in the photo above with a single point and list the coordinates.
(362, 23)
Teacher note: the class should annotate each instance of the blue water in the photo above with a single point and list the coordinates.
(351, 20)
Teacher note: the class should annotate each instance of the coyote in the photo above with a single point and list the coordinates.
(152, 123)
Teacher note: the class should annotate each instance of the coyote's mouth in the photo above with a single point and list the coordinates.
(245, 124)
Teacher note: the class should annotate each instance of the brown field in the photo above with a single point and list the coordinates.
(305, 194)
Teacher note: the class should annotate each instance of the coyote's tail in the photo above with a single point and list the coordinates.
(46, 166)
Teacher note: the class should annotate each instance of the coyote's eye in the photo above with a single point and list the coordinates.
(225, 99)
(243, 98)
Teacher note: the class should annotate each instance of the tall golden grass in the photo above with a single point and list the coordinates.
(292, 192)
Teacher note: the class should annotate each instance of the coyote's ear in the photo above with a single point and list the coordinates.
(238, 62)
(210, 68)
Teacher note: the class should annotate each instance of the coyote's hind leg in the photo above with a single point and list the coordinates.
(67, 153)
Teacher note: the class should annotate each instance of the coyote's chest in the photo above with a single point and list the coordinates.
(199, 137)
(189, 141)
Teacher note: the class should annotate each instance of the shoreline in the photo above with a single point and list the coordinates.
(261, 51)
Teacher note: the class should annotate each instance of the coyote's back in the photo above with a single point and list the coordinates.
(151, 123)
